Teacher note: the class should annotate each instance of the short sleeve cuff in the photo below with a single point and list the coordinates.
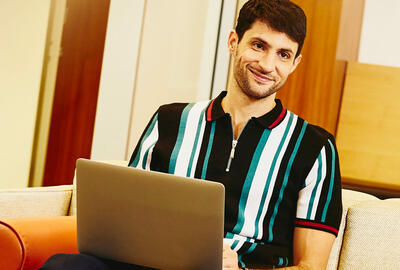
(317, 226)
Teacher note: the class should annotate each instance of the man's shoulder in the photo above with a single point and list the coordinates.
(320, 133)
(316, 132)
(172, 107)
(177, 108)
(315, 139)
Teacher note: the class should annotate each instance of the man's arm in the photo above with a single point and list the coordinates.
(311, 246)
(311, 249)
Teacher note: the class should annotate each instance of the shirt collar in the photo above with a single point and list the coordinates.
(269, 120)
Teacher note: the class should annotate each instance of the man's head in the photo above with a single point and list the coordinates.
(281, 15)
(266, 45)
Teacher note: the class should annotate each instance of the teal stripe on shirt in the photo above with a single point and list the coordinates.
(235, 243)
(209, 147)
(332, 180)
(249, 180)
(251, 249)
(285, 180)
(280, 263)
(230, 235)
(146, 135)
(179, 139)
(311, 203)
(271, 171)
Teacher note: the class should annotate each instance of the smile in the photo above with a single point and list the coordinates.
(261, 78)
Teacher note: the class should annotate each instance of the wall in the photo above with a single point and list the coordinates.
(170, 59)
(151, 58)
(23, 29)
(45, 104)
(380, 37)
(223, 59)
(121, 50)
(372, 169)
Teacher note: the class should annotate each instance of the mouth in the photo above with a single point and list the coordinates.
(260, 77)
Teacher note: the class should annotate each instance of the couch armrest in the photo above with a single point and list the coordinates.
(26, 243)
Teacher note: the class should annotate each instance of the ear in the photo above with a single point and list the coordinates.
(296, 62)
(233, 41)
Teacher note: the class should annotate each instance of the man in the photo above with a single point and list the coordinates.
(281, 174)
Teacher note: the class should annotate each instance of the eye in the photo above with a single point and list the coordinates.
(284, 55)
(258, 46)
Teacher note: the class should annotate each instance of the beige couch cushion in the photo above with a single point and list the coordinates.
(29, 202)
(349, 198)
(372, 236)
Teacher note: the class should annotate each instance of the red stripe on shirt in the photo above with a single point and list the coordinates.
(316, 225)
(209, 110)
(278, 120)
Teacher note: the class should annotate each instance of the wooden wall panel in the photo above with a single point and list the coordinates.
(369, 127)
(314, 90)
(76, 90)
(350, 30)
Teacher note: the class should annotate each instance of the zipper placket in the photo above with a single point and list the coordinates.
(234, 143)
(232, 155)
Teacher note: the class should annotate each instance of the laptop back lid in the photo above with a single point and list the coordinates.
(149, 218)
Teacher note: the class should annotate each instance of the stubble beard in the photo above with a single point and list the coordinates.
(243, 81)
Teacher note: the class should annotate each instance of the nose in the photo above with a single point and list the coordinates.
(267, 62)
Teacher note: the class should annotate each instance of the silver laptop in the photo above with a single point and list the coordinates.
(147, 218)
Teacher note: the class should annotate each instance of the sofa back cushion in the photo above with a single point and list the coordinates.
(372, 236)
(349, 198)
(35, 202)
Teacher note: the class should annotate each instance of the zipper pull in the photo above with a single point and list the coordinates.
(232, 155)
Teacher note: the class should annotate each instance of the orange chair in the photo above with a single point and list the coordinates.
(36, 223)
(26, 243)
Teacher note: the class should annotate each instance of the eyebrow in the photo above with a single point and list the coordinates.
(269, 46)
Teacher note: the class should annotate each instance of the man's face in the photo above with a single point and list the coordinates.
(263, 60)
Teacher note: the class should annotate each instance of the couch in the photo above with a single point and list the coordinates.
(38, 222)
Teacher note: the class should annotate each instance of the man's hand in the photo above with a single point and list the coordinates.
(230, 261)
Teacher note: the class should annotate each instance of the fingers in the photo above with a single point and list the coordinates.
(230, 258)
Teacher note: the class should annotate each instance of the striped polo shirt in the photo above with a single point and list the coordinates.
(279, 173)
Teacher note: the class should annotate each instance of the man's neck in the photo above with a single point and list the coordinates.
(242, 108)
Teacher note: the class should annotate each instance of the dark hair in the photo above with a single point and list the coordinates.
(281, 15)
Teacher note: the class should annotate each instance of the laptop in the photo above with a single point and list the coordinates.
(148, 218)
